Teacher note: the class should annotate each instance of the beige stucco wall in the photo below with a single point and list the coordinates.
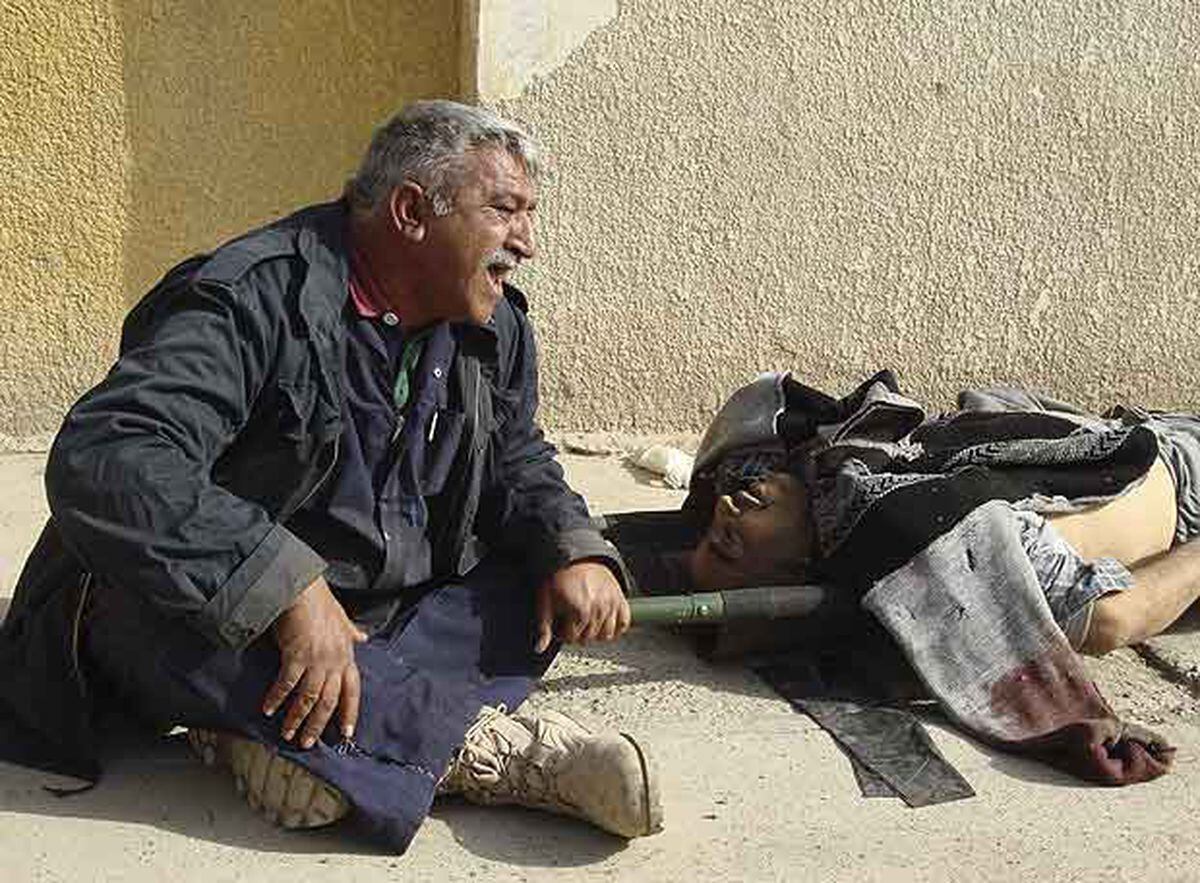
(133, 132)
(963, 191)
(62, 207)
(239, 112)
(509, 43)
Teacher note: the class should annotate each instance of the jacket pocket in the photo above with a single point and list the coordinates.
(505, 406)
(300, 415)
(283, 451)
(444, 439)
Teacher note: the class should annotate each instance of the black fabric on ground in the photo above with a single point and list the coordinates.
(836, 665)
(888, 747)
(870, 783)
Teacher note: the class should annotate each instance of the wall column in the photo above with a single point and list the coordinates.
(507, 44)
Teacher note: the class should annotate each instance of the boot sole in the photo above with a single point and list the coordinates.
(650, 792)
(284, 792)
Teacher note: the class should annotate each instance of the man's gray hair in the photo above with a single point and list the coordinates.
(425, 143)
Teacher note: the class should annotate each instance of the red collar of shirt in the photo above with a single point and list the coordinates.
(365, 292)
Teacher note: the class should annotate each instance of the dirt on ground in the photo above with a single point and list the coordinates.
(752, 790)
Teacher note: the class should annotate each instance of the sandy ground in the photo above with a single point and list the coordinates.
(752, 791)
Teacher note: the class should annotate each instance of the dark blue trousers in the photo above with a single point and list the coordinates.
(465, 644)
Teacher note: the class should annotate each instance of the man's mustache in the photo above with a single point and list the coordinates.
(502, 258)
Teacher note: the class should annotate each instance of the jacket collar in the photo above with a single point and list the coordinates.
(323, 244)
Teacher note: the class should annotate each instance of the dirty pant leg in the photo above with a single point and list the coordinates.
(424, 677)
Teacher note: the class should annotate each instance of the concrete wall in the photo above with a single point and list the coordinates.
(965, 192)
(134, 132)
(62, 204)
(239, 112)
(508, 43)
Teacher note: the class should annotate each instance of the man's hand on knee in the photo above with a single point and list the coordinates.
(579, 603)
(316, 650)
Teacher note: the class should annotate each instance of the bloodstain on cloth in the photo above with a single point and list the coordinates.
(970, 616)
(1053, 696)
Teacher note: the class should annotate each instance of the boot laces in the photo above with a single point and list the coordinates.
(501, 757)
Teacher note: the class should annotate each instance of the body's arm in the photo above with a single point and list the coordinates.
(1164, 587)
(1137, 529)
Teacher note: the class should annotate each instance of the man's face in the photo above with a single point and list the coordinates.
(758, 536)
(489, 230)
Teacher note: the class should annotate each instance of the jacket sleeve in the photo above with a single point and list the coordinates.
(543, 521)
(129, 479)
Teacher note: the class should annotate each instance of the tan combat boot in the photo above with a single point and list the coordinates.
(549, 761)
(282, 790)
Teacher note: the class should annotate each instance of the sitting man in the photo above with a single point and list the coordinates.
(309, 514)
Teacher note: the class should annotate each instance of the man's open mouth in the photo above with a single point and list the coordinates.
(498, 274)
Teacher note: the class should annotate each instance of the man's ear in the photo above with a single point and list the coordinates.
(409, 210)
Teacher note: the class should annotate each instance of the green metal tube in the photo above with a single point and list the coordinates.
(666, 609)
(755, 603)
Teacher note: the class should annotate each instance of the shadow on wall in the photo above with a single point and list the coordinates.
(238, 113)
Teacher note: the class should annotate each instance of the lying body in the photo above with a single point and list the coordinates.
(761, 532)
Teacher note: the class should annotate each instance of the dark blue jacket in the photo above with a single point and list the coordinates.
(176, 475)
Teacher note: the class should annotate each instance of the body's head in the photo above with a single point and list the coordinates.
(443, 210)
(758, 534)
